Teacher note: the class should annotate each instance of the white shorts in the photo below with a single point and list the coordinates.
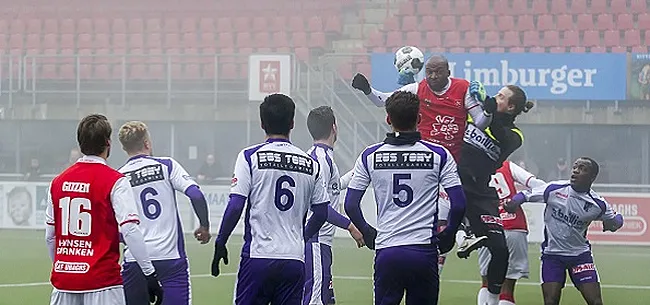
(443, 205)
(517, 242)
(111, 296)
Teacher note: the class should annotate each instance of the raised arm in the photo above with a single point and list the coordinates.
(475, 101)
(612, 221)
(360, 82)
(524, 177)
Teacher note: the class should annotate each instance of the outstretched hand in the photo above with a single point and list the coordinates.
(360, 82)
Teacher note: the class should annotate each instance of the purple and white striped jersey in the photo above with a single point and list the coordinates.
(330, 172)
(281, 182)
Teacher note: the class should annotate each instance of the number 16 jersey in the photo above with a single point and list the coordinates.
(154, 181)
(281, 183)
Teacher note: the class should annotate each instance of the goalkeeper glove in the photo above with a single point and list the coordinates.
(360, 82)
(477, 91)
(406, 78)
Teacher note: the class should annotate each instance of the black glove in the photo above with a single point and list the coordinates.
(154, 289)
(360, 82)
(490, 105)
(445, 242)
(369, 236)
(510, 207)
(220, 252)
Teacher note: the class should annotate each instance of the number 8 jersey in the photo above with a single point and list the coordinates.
(154, 181)
(281, 183)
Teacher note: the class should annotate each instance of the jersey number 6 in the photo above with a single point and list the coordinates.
(73, 220)
(284, 193)
(398, 187)
(150, 204)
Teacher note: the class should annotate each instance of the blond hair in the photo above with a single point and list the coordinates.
(132, 136)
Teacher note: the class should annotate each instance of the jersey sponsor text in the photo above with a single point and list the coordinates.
(285, 161)
(403, 160)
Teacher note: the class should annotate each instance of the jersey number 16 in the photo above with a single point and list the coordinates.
(75, 216)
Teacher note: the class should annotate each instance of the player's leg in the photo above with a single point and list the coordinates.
(553, 278)
(64, 298)
(443, 211)
(326, 260)
(441, 257)
(135, 284)
(332, 299)
(388, 277)
(113, 296)
(423, 280)
(252, 277)
(484, 258)
(290, 278)
(314, 292)
(174, 275)
(517, 265)
(584, 276)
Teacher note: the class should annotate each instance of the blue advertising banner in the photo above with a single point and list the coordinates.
(543, 76)
(638, 77)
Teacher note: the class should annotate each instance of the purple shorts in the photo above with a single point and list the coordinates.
(261, 281)
(318, 274)
(173, 274)
(581, 269)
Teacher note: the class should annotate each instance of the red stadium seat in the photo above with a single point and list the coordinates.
(545, 22)
(564, 22)
(118, 26)
(394, 39)
(67, 41)
(280, 39)
(153, 25)
(559, 7)
(84, 41)
(34, 26)
(618, 49)
(578, 6)
(16, 41)
(591, 38)
(461, 7)
(519, 7)
(101, 26)
(224, 25)
(173, 41)
(646, 37)
(604, 22)
(299, 39)
(410, 23)
(154, 41)
(49, 26)
(447, 23)
(206, 25)
(557, 50)
(189, 40)
(643, 22)
(491, 39)
(612, 38)
(136, 41)
(598, 7)
(315, 24)
(585, 22)
(33, 41)
(638, 6)
(540, 7)
(497, 50)
(333, 25)
(244, 40)
(170, 25)
(432, 40)
(537, 50)
(477, 50)
(317, 40)
(391, 24)
(482, 7)
(450, 40)
(48, 71)
(302, 54)
(632, 38)
(639, 49)
(429, 23)
(466, 23)
(505, 23)
(413, 38)
(261, 40)
(511, 39)
(119, 41)
(443, 6)
(618, 7)
(67, 72)
(500, 7)
(241, 24)
(260, 24)
(17, 26)
(406, 8)
(531, 38)
(188, 25)
(296, 24)
(470, 40)
(228, 71)
(67, 26)
(525, 23)
(516, 50)
(50, 41)
(136, 26)
(457, 50)
(624, 22)
(550, 39)
(598, 49)
(486, 23)
(102, 71)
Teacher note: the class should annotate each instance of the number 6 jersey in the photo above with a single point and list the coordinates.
(154, 181)
(281, 183)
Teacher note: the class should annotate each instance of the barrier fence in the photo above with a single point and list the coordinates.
(22, 206)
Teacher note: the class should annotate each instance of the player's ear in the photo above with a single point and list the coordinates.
(291, 127)
(388, 120)
(419, 118)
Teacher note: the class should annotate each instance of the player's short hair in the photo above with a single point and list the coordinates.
(94, 134)
(277, 112)
(403, 109)
(132, 136)
(320, 121)
(519, 99)
(594, 168)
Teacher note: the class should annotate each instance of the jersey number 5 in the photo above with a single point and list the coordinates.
(398, 187)
(284, 193)
(73, 220)
(150, 207)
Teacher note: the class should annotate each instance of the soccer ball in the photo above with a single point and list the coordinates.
(409, 59)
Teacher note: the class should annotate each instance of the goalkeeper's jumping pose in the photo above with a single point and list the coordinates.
(483, 152)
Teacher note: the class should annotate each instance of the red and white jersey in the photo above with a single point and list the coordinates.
(504, 182)
(444, 114)
(86, 205)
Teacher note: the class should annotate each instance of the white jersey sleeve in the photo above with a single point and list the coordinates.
(241, 180)
(360, 178)
(123, 202)
(49, 208)
(379, 98)
(536, 194)
(608, 212)
(449, 174)
(319, 195)
(523, 177)
(179, 177)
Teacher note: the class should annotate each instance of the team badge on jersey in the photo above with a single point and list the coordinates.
(233, 181)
